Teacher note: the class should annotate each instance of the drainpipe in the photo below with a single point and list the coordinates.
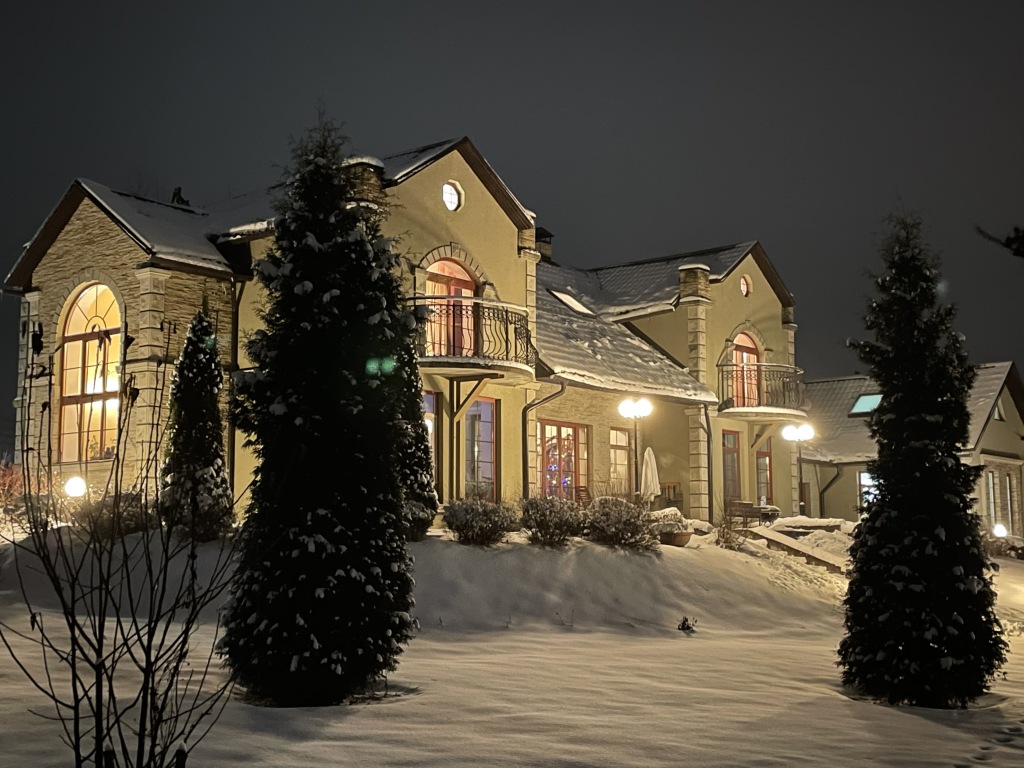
(525, 428)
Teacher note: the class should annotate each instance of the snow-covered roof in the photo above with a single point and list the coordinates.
(844, 439)
(593, 351)
(654, 283)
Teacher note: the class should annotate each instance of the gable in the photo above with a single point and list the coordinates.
(398, 169)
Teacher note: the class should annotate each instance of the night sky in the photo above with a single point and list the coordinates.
(634, 130)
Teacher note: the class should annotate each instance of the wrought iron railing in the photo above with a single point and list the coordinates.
(769, 385)
(470, 327)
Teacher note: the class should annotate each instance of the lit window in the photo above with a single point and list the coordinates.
(997, 413)
(451, 195)
(990, 497)
(480, 444)
(619, 479)
(865, 404)
(430, 400)
(571, 301)
(866, 490)
(763, 464)
(745, 285)
(89, 381)
(564, 463)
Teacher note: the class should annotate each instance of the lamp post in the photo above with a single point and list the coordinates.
(635, 410)
(799, 434)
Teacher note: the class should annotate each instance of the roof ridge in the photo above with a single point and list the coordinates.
(424, 148)
(684, 255)
(89, 184)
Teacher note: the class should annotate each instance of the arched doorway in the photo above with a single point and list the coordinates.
(451, 328)
(745, 358)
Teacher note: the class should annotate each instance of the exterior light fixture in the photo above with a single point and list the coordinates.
(799, 434)
(635, 410)
(75, 487)
(999, 531)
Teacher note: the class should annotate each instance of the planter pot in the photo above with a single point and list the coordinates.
(676, 539)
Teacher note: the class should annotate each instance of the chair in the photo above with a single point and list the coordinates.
(582, 494)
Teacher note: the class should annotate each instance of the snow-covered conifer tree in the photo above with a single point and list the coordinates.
(920, 622)
(320, 604)
(194, 489)
(414, 460)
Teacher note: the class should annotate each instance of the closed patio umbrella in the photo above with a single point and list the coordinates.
(650, 485)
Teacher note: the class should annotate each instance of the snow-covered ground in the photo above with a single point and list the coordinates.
(533, 657)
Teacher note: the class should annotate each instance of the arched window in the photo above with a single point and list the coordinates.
(90, 354)
(450, 330)
(747, 386)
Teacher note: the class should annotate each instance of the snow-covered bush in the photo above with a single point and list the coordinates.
(476, 521)
(112, 516)
(618, 523)
(418, 518)
(669, 520)
(550, 521)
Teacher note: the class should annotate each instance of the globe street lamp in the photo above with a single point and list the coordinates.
(635, 410)
(799, 434)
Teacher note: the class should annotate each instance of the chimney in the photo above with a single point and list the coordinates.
(544, 238)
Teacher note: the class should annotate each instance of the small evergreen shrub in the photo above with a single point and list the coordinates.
(418, 519)
(618, 523)
(111, 517)
(476, 521)
(550, 522)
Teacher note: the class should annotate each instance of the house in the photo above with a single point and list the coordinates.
(524, 361)
(834, 463)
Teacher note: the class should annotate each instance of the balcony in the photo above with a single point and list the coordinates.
(761, 391)
(469, 332)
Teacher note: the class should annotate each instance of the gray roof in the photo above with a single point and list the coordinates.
(400, 166)
(593, 351)
(655, 283)
(844, 439)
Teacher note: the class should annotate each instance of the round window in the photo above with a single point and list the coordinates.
(451, 194)
(745, 285)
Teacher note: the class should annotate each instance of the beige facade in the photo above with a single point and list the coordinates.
(494, 393)
(155, 306)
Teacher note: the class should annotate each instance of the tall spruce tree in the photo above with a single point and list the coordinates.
(920, 622)
(194, 489)
(320, 605)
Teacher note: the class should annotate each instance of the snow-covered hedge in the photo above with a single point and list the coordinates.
(550, 522)
(475, 521)
(618, 523)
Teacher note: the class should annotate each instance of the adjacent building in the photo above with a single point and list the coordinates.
(834, 463)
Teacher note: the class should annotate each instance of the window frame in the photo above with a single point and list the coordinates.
(618, 456)
(734, 451)
(97, 345)
(494, 442)
(765, 453)
(580, 476)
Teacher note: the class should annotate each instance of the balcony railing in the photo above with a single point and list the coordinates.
(760, 385)
(472, 328)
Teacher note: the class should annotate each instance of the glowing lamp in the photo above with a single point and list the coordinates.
(75, 487)
(999, 531)
(798, 433)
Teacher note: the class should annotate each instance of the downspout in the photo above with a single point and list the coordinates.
(711, 474)
(525, 427)
(237, 289)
